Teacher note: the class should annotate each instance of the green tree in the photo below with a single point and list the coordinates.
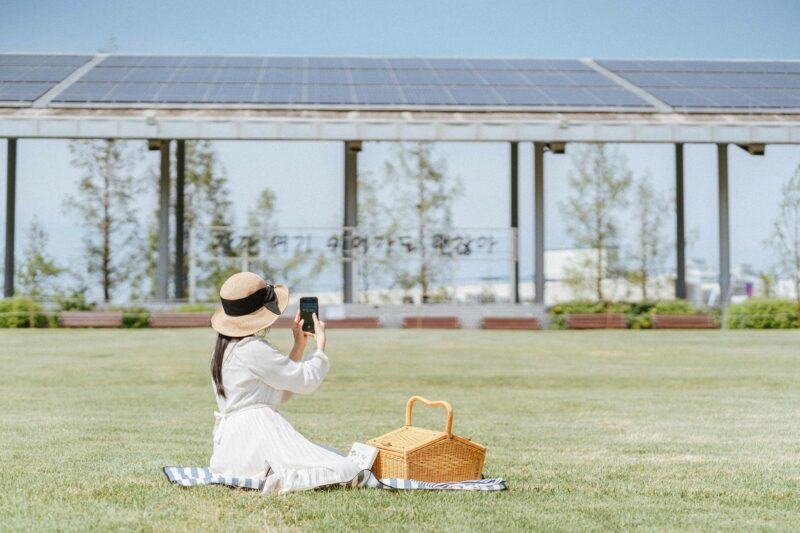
(651, 245)
(37, 270)
(207, 218)
(375, 229)
(598, 186)
(785, 237)
(422, 196)
(104, 207)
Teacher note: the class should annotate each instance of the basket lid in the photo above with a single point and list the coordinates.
(407, 438)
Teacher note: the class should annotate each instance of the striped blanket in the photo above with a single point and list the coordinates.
(190, 476)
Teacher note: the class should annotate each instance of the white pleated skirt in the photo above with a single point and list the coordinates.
(258, 442)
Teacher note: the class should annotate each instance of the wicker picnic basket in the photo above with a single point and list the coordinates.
(427, 455)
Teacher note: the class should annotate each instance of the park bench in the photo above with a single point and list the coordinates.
(368, 322)
(511, 322)
(336, 323)
(180, 320)
(91, 319)
(683, 322)
(432, 322)
(596, 321)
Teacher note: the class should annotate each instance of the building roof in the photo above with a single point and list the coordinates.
(385, 98)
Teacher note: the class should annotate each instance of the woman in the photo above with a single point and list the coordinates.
(251, 378)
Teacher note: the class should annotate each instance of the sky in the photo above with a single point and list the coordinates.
(307, 177)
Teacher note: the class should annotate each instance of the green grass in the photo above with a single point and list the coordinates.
(621, 430)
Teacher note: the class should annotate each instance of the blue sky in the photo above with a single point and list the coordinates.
(605, 29)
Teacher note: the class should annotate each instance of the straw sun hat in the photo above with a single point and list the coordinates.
(249, 305)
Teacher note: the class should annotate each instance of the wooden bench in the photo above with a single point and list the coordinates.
(432, 322)
(511, 322)
(683, 322)
(336, 323)
(91, 319)
(368, 322)
(596, 321)
(180, 320)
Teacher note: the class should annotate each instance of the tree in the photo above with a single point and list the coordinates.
(422, 194)
(785, 237)
(38, 269)
(207, 218)
(652, 247)
(105, 208)
(598, 186)
(375, 230)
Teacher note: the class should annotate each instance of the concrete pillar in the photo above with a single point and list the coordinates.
(180, 178)
(538, 222)
(515, 221)
(11, 194)
(724, 231)
(680, 229)
(162, 268)
(351, 150)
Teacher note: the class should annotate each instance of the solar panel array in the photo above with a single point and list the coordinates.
(715, 84)
(347, 82)
(124, 80)
(26, 77)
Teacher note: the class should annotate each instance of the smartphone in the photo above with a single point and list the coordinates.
(308, 306)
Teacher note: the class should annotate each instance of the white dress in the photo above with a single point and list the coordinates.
(252, 439)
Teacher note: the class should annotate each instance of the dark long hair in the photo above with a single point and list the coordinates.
(216, 360)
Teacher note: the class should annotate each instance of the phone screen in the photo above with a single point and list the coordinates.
(308, 306)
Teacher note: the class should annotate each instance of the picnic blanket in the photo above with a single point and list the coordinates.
(189, 476)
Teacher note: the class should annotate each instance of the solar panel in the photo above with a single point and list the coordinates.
(238, 75)
(714, 84)
(42, 60)
(26, 77)
(416, 76)
(377, 94)
(194, 75)
(232, 93)
(367, 62)
(329, 94)
(80, 92)
(279, 94)
(22, 91)
(132, 92)
(426, 95)
(372, 76)
(182, 93)
(523, 96)
(460, 77)
(326, 76)
(474, 96)
(318, 80)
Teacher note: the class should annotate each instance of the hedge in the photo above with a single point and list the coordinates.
(21, 312)
(763, 314)
(639, 315)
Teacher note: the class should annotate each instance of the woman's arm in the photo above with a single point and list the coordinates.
(300, 339)
(282, 373)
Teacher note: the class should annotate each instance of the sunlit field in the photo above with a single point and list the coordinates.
(618, 430)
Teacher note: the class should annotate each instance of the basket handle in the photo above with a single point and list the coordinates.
(448, 427)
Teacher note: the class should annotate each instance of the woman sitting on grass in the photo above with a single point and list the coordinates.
(251, 378)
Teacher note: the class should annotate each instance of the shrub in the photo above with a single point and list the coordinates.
(674, 307)
(763, 314)
(134, 317)
(74, 300)
(21, 312)
(559, 312)
(195, 308)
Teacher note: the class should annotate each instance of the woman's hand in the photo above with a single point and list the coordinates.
(300, 336)
(319, 332)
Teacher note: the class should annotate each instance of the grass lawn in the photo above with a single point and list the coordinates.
(609, 430)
